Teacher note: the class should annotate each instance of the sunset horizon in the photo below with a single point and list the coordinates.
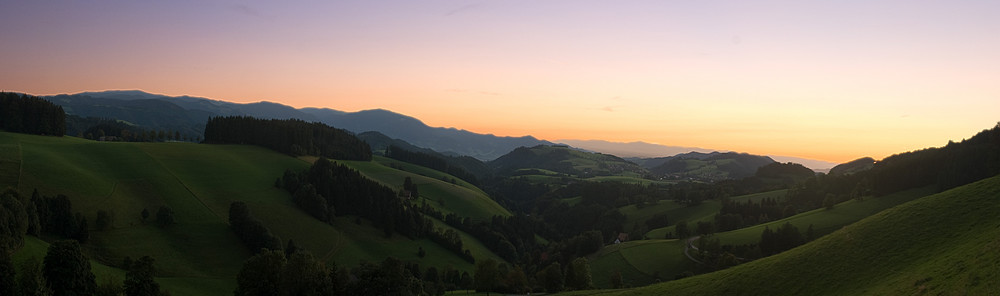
(832, 82)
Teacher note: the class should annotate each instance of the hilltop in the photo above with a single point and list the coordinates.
(563, 160)
(711, 166)
(654, 154)
(854, 166)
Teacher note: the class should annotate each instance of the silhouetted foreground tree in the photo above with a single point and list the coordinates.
(67, 270)
(29, 114)
(139, 277)
(290, 136)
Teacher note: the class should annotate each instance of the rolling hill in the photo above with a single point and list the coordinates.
(854, 166)
(563, 160)
(712, 166)
(650, 155)
(199, 181)
(942, 244)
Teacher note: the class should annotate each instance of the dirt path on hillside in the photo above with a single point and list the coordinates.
(688, 245)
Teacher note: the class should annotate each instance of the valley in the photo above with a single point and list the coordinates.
(544, 218)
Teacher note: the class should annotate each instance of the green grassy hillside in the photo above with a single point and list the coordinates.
(198, 182)
(564, 160)
(825, 221)
(704, 211)
(461, 198)
(640, 262)
(712, 166)
(665, 258)
(943, 244)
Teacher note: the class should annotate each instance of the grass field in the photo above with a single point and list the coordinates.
(630, 178)
(460, 198)
(640, 262)
(635, 214)
(942, 244)
(199, 255)
(10, 165)
(700, 213)
(644, 261)
(825, 221)
(692, 215)
(757, 197)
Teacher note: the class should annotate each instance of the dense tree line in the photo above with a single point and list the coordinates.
(736, 215)
(329, 189)
(779, 240)
(276, 273)
(65, 270)
(115, 130)
(290, 136)
(251, 230)
(429, 161)
(21, 113)
(946, 167)
(512, 238)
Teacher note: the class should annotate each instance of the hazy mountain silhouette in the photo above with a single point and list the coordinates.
(189, 114)
(854, 166)
(650, 155)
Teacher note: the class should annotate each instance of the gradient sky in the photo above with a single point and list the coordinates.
(829, 80)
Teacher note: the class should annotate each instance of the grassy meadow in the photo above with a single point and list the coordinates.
(942, 244)
(200, 255)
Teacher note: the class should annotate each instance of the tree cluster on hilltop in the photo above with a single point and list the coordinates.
(329, 189)
(290, 136)
(29, 114)
(116, 130)
(429, 161)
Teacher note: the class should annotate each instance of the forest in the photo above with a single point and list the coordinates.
(290, 136)
(21, 113)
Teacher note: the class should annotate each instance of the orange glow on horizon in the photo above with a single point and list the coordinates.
(796, 81)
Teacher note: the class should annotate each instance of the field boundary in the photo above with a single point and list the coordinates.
(20, 164)
(186, 188)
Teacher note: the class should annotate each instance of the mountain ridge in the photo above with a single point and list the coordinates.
(642, 151)
(189, 114)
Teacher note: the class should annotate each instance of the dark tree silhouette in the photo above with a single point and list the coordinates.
(250, 230)
(29, 114)
(290, 136)
(67, 270)
(139, 278)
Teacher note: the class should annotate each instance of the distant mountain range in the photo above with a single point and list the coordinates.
(641, 152)
(712, 166)
(188, 115)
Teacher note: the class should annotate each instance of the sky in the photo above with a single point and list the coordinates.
(828, 80)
